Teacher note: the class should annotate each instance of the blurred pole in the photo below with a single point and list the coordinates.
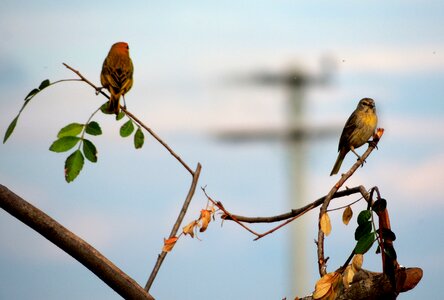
(296, 168)
(296, 82)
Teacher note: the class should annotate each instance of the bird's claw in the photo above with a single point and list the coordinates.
(362, 161)
(373, 144)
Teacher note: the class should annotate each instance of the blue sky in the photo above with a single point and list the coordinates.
(183, 54)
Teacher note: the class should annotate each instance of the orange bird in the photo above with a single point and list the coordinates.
(117, 74)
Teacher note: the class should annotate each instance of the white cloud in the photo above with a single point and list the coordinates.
(416, 182)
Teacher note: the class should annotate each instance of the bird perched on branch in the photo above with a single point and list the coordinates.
(117, 74)
(358, 129)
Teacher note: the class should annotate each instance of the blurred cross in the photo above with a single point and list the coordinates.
(296, 133)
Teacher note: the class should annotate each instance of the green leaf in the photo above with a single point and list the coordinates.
(105, 109)
(31, 94)
(10, 129)
(127, 129)
(93, 128)
(363, 229)
(379, 205)
(364, 216)
(365, 243)
(73, 165)
(64, 144)
(89, 150)
(139, 138)
(72, 129)
(120, 115)
(44, 84)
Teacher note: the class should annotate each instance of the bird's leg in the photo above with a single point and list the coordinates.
(359, 157)
(124, 102)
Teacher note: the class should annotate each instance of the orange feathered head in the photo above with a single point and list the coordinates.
(120, 47)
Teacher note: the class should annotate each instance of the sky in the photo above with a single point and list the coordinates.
(191, 61)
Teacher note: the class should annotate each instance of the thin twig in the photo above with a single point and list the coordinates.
(80, 250)
(322, 266)
(345, 206)
(159, 140)
(176, 226)
(281, 225)
(150, 131)
(289, 217)
(294, 212)
(222, 208)
(86, 80)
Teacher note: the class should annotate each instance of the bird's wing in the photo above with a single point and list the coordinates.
(348, 130)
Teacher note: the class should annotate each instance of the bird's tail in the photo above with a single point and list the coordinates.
(338, 163)
(114, 103)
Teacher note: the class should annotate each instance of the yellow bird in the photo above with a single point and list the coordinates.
(117, 74)
(358, 129)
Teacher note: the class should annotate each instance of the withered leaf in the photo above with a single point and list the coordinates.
(325, 224)
(205, 218)
(347, 215)
(168, 244)
(348, 275)
(325, 287)
(189, 229)
(357, 261)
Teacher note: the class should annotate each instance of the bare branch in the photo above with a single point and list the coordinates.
(159, 140)
(176, 226)
(322, 266)
(80, 250)
(233, 218)
(294, 212)
(289, 217)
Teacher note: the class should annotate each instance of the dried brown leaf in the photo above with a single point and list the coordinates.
(348, 275)
(189, 229)
(205, 218)
(324, 288)
(357, 261)
(337, 287)
(168, 244)
(347, 215)
(325, 224)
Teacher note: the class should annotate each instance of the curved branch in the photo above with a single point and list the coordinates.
(294, 212)
(322, 266)
(80, 250)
